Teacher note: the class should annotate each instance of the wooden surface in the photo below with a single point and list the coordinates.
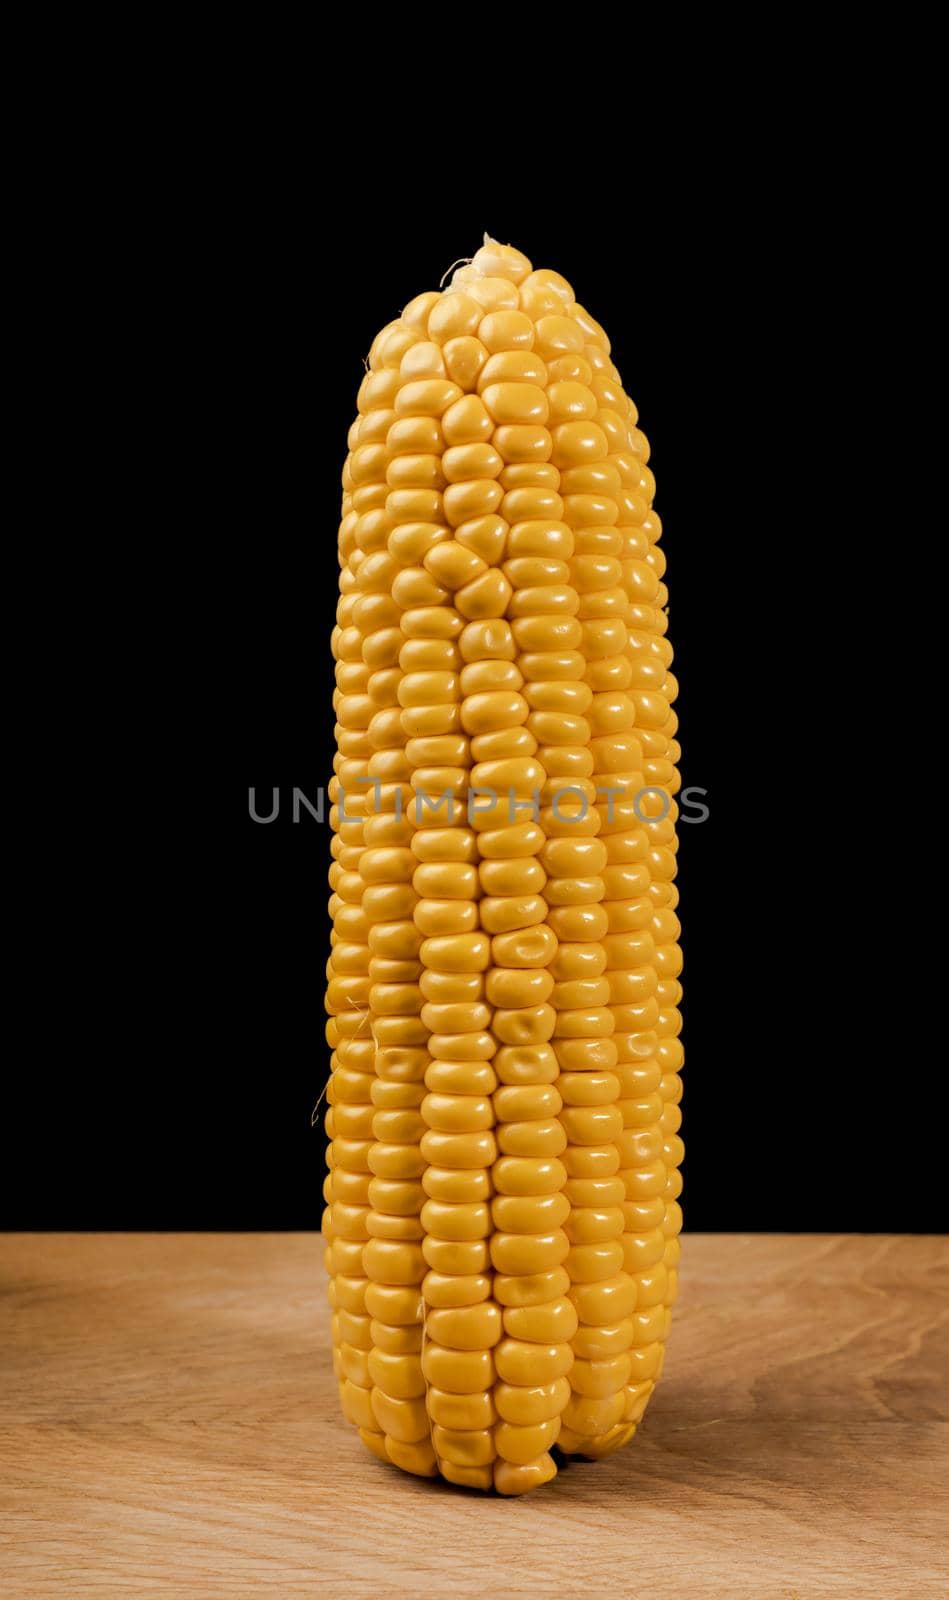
(169, 1427)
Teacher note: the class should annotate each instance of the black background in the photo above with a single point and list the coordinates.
(183, 946)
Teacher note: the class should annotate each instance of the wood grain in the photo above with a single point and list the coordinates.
(169, 1427)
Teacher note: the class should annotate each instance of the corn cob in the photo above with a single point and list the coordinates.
(502, 1209)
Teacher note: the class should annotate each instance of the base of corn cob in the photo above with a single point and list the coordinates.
(502, 1210)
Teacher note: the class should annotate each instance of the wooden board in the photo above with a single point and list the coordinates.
(169, 1426)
